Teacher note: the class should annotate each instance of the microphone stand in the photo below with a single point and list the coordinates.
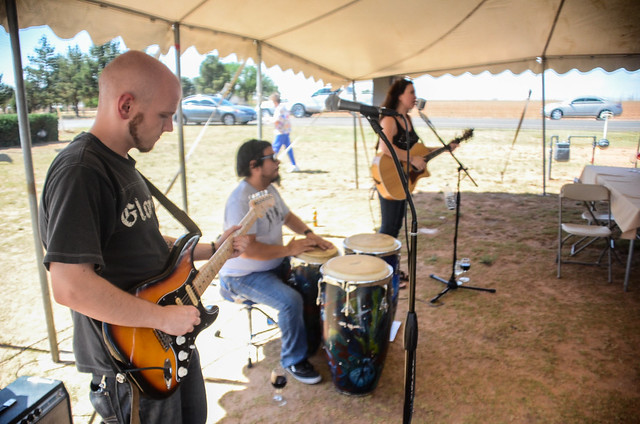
(411, 324)
(452, 283)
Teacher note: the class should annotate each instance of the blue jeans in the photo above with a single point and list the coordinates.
(268, 289)
(283, 140)
(392, 216)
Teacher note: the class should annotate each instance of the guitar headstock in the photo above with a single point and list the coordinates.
(261, 201)
(468, 133)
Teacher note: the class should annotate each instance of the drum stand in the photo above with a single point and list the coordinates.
(452, 283)
(411, 324)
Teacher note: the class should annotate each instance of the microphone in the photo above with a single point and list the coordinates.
(421, 103)
(334, 103)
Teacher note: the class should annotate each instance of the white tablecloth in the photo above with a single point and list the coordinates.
(624, 185)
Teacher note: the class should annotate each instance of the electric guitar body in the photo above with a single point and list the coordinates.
(155, 361)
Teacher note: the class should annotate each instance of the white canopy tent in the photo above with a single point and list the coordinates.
(340, 41)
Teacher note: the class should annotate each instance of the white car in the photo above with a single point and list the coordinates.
(593, 107)
(313, 104)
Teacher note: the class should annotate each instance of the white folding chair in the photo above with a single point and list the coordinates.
(587, 195)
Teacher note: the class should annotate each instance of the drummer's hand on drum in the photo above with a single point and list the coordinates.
(298, 246)
(319, 241)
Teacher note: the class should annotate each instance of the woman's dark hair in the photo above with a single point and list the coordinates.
(394, 92)
(250, 150)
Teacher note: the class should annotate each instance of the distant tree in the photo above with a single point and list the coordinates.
(6, 93)
(188, 87)
(73, 79)
(99, 56)
(40, 78)
(247, 83)
(213, 76)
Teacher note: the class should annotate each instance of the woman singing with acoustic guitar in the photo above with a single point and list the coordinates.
(399, 130)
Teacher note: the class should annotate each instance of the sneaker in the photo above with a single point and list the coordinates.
(294, 168)
(304, 372)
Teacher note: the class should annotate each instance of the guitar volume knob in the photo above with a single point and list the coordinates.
(182, 371)
(180, 340)
(182, 355)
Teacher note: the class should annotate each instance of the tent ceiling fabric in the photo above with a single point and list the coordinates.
(345, 40)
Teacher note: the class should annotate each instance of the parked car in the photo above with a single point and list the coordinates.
(200, 107)
(362, 96)
(268, 108)
(583, 107)
(309, 105)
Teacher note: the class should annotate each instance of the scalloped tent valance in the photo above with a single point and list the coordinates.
(347, 40)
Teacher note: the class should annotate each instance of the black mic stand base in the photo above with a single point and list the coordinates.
(452, 284)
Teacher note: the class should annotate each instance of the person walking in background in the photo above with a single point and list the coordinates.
(282, 129)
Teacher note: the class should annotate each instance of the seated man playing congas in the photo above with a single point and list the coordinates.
(258, 273)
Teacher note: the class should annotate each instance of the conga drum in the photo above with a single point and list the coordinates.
(305, 275)
(383, 246)
(355, 306)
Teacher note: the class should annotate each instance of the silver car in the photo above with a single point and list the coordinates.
(314, 104)
(200, 107)
(594, 107)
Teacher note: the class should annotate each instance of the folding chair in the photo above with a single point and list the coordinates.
(588, 194)
(253, 340)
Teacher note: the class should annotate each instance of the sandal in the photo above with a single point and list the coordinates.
(404, 278)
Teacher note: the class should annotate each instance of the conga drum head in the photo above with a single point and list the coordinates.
(376, 243)
(317, 256)
(357, 268)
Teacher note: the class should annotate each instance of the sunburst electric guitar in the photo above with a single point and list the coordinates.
(157, 361)
(385, 175)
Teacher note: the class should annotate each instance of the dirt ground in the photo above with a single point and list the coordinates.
(539, 350)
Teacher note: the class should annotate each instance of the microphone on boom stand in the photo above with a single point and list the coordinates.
(452, 283)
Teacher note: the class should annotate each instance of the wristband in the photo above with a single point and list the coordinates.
(307, 231)
(213, 247)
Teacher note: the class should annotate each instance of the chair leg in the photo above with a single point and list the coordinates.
(250, 344)
(610, 245)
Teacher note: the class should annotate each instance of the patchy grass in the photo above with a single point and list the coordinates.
(539, 350)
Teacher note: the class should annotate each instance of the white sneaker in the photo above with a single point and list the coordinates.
(294, 168)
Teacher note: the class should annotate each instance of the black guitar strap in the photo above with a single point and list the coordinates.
(177, 213)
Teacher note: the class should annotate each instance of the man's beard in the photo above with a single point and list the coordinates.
(133, 131)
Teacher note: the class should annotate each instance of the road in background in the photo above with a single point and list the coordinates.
(344, 119)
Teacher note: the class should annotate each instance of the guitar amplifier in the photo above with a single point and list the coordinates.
(35, 400)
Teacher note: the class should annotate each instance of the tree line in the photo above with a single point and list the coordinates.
(54, 80)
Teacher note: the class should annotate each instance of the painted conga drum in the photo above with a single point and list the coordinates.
(355, 307)
(305, 275)
(383, 246)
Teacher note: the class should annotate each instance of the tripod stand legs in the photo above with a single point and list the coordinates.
(452, 284)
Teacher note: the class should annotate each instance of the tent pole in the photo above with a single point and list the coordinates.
(355, 135)
(259, 87)
(183, 164)
(25, 143)
(544, 130)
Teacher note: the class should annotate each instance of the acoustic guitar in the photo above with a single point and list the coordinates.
(155, 361)
(386, 177)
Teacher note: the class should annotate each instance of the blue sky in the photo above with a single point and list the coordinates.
(619, 85)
